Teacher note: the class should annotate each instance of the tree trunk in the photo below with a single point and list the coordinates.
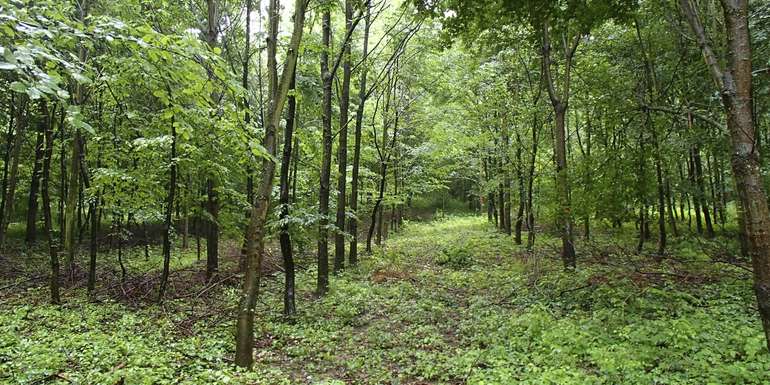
(661, 194)
(322, 284)
(696, 197)
(168, 224)
(735, 86)
(63, 190)
(342, 148)
(7, 159)
(31, 233)
(73, 186)
(212, 229)
(289, 307)
(671, 208)
(530, 184)
(501, 198)
(699, 179)
(522, 192)
(353, 222)
(247, 123)
(13, 176)
(91, 285)
(560, 105)
(53, 251)
(278, 89)
(212, 184)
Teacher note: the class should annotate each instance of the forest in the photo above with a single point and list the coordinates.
(384, 192)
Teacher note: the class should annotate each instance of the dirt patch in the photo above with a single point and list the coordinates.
(389, 275)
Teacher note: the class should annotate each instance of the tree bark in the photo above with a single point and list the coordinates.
(73, 186)
(7, 159)
(530, 184)
(32, 206)
(212, 185)
(322, 284)
(53, 251)
(342, 148)
(255, 250)
(289, 306)
(560, 104)
(522, 197)
(735, 84)
(168, 224)
(362, 96)
(13, 176)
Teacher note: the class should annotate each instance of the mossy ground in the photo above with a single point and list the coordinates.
(446, 302)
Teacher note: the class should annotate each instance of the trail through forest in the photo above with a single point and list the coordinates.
(445, 302)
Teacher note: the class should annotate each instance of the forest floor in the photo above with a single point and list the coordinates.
(445, 302)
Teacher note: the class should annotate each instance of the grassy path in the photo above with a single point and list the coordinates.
(446, 302)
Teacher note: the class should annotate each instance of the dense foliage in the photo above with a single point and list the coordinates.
(172, 169)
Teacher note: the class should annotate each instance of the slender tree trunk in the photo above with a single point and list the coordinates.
(642, 195)
(212, 184)
(31, 233)
(168, 224)
(696, 196)
(212, 229)
(73, 187)
(712, 189)
(560, 105)
(119, 231)
(94, 217)
(501, 197)
(7, 160)
(530, 184)
(376, 221)
(485, 178)
(699, 180)
(353, 222)
(93, 250)
(322, 284)
(683, 197)
(289, 307)
(522, 193)
(342, 148)
(295, 166)
(53, 251)
(198, 239)
(63, 191)
(247, 123)
(671, 208)
(661, 192)
(13, 176)
(278, 89)
(505, 165)
(722, 192)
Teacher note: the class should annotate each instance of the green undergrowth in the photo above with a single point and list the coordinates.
(446, 302)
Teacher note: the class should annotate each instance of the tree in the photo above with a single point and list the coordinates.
(278, 89)
(734, 83)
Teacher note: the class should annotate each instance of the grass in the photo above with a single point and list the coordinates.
(446, 302)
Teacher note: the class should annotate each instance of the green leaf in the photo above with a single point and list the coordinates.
(18, 87)
(80, 78)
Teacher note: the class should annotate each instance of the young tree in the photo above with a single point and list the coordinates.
(278, 89)
(342, 147)
(362, 98)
